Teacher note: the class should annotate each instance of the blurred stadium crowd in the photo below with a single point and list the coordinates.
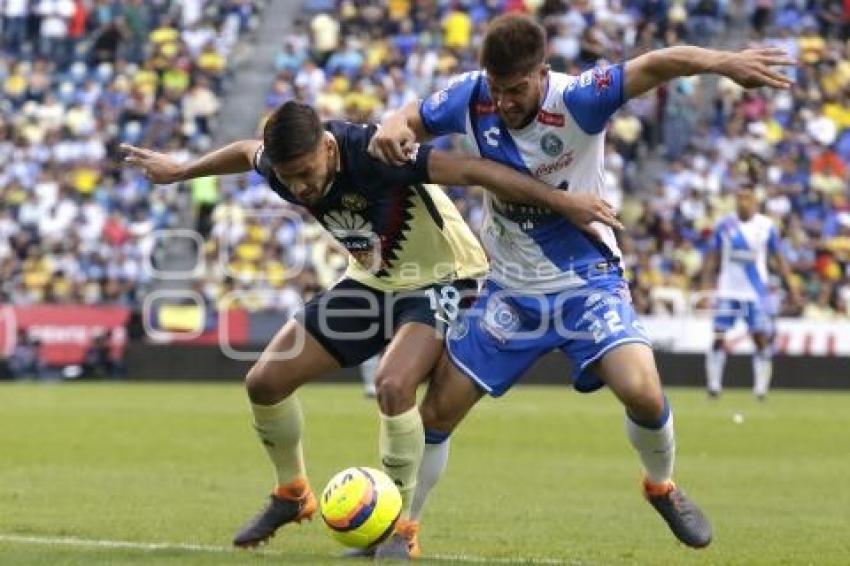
(80, 77)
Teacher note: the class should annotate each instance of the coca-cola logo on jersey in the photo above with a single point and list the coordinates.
(561, 163)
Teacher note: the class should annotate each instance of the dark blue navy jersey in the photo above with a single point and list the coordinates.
(402, 232)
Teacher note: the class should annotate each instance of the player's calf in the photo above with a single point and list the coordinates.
(762, 366)
(715, 360)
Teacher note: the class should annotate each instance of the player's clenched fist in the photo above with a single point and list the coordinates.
(159, 168)
(393, 143)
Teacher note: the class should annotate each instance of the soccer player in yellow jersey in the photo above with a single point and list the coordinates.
(412, 258)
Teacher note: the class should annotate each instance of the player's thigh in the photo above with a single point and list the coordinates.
(350, 321)
(292, 358)
(450, 396)
(760, 323)
(602, 321)
(420, 318)
(630, 372)
(408, 359)
(497, 339)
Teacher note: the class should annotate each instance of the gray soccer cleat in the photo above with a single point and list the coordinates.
(684, 518)
(403, 544)
(278, 512)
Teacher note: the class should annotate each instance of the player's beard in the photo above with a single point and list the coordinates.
(518, 120)
(324, 186)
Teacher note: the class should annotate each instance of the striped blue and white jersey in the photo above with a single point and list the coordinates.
(744, 247)
(529, 247)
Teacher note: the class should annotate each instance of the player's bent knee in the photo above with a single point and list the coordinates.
(262, 387)
(644, 397)
(395, 393)
(437, 418)
(647, 406)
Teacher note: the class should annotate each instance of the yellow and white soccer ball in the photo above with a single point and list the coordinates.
(360, 506)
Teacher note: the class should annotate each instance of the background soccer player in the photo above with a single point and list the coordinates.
(552, 126)
(744, 242)
(411, 258)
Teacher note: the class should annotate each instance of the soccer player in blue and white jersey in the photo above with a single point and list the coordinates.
(743, 242)
(550, 285)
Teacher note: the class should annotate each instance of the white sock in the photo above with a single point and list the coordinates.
(715, 360)
(434, 462)
(762, 372)
(656, 447)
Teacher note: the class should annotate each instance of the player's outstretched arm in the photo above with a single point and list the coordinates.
(749, 68)
(709, 269)
(707, 276)
(160, 168)
(582, 209)
(395, 140)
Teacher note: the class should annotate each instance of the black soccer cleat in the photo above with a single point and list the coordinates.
(278, 512)
(684, 518)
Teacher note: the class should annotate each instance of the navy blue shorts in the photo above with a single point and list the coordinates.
(354, 322)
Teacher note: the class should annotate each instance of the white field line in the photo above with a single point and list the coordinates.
(189, 547)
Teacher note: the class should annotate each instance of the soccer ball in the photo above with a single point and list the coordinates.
(360, 506)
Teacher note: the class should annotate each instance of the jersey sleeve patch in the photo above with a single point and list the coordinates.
(594, 96)
(445, 111)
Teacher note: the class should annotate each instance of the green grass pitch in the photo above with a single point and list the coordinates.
(544, 476)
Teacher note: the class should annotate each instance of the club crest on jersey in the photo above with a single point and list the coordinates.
(459, 329)
(500, 320)
(602, 78)
(551, 144)
(353, 201)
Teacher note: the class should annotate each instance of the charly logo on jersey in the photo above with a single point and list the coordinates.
(551, 144)
(353, 201)
(491, 136)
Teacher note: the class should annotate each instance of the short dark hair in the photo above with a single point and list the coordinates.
(294, 129)
(513, 45)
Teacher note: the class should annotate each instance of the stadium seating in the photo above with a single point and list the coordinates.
(78, 78)
(674, 155)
